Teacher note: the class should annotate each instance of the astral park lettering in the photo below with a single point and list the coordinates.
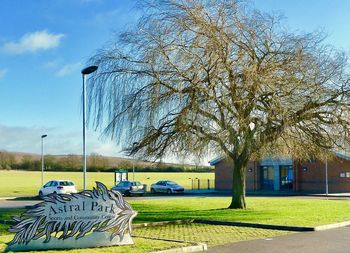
(62, 221)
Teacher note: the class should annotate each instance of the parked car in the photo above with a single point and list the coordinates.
(57, 186)
(128, 188)
(167, 186)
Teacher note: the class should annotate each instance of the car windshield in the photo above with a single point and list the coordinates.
(136, 183)
(171, 183)
(66, 183)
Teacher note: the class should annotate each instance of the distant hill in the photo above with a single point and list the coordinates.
(72, 162)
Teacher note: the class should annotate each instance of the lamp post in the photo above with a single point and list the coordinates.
(133, 162)
(326, 178)
(85, 72)
(42, 158)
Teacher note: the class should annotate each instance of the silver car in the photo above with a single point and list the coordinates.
(167, 186)
(128, 188)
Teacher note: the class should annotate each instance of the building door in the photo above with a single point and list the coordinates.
(286, 178)
(267, 177)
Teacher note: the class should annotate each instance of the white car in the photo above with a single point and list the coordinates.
(57, 186)
(166, 186)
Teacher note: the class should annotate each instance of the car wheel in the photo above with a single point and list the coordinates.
(54, 192)
(41, 194)
(127, 193)
(153, 191)
(169, 191)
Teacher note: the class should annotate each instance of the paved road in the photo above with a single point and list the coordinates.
(328, 241)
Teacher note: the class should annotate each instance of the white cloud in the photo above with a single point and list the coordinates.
(69, 69)
(58, 142)
(15, 138)
(33, 42)
(3, 73)
(61, 142)
(52, 64)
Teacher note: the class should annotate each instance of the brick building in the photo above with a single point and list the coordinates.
(288, 175)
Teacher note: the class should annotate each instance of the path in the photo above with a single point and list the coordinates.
(328, 241)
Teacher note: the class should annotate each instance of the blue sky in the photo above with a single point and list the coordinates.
(45, 44)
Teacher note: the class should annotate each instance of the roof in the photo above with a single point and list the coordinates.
(217, 160)
(344, 156)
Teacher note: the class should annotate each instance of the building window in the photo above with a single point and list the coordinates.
(344, 174)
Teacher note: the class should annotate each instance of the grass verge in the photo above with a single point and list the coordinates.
(276, 211)
(28, 183)
(141, 246)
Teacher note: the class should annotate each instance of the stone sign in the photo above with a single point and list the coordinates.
(87, 219)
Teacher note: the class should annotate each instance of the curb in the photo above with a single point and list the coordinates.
(197, 247)
(255, 225)
(275, 227)
(331, 226)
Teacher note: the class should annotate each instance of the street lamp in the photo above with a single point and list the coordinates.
(42, 158)
(85, 72)
(133, 162)
(326, 177)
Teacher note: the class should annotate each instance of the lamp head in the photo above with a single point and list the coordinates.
(89, 70)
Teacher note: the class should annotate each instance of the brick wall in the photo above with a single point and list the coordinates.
(223, 175)
(224, 171)
(309, 176)
(312, 176)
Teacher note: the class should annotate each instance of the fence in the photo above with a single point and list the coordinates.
(203, 184)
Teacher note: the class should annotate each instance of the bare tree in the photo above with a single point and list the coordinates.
(7, 160)
(199, 75)
(97, 161)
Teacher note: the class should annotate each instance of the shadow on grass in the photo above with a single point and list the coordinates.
(28, 198)
(222, 214)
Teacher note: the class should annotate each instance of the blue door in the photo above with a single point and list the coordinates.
(267, 177)
(286, 178)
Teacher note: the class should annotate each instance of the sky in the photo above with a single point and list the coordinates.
(45, 44)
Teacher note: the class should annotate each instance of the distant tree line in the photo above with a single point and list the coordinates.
(95, 163)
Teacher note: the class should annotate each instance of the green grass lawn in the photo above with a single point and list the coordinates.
(273, 210)
(27, 183)
(278, 211)
(141, 246)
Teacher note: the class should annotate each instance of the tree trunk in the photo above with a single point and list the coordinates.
(238, 185)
